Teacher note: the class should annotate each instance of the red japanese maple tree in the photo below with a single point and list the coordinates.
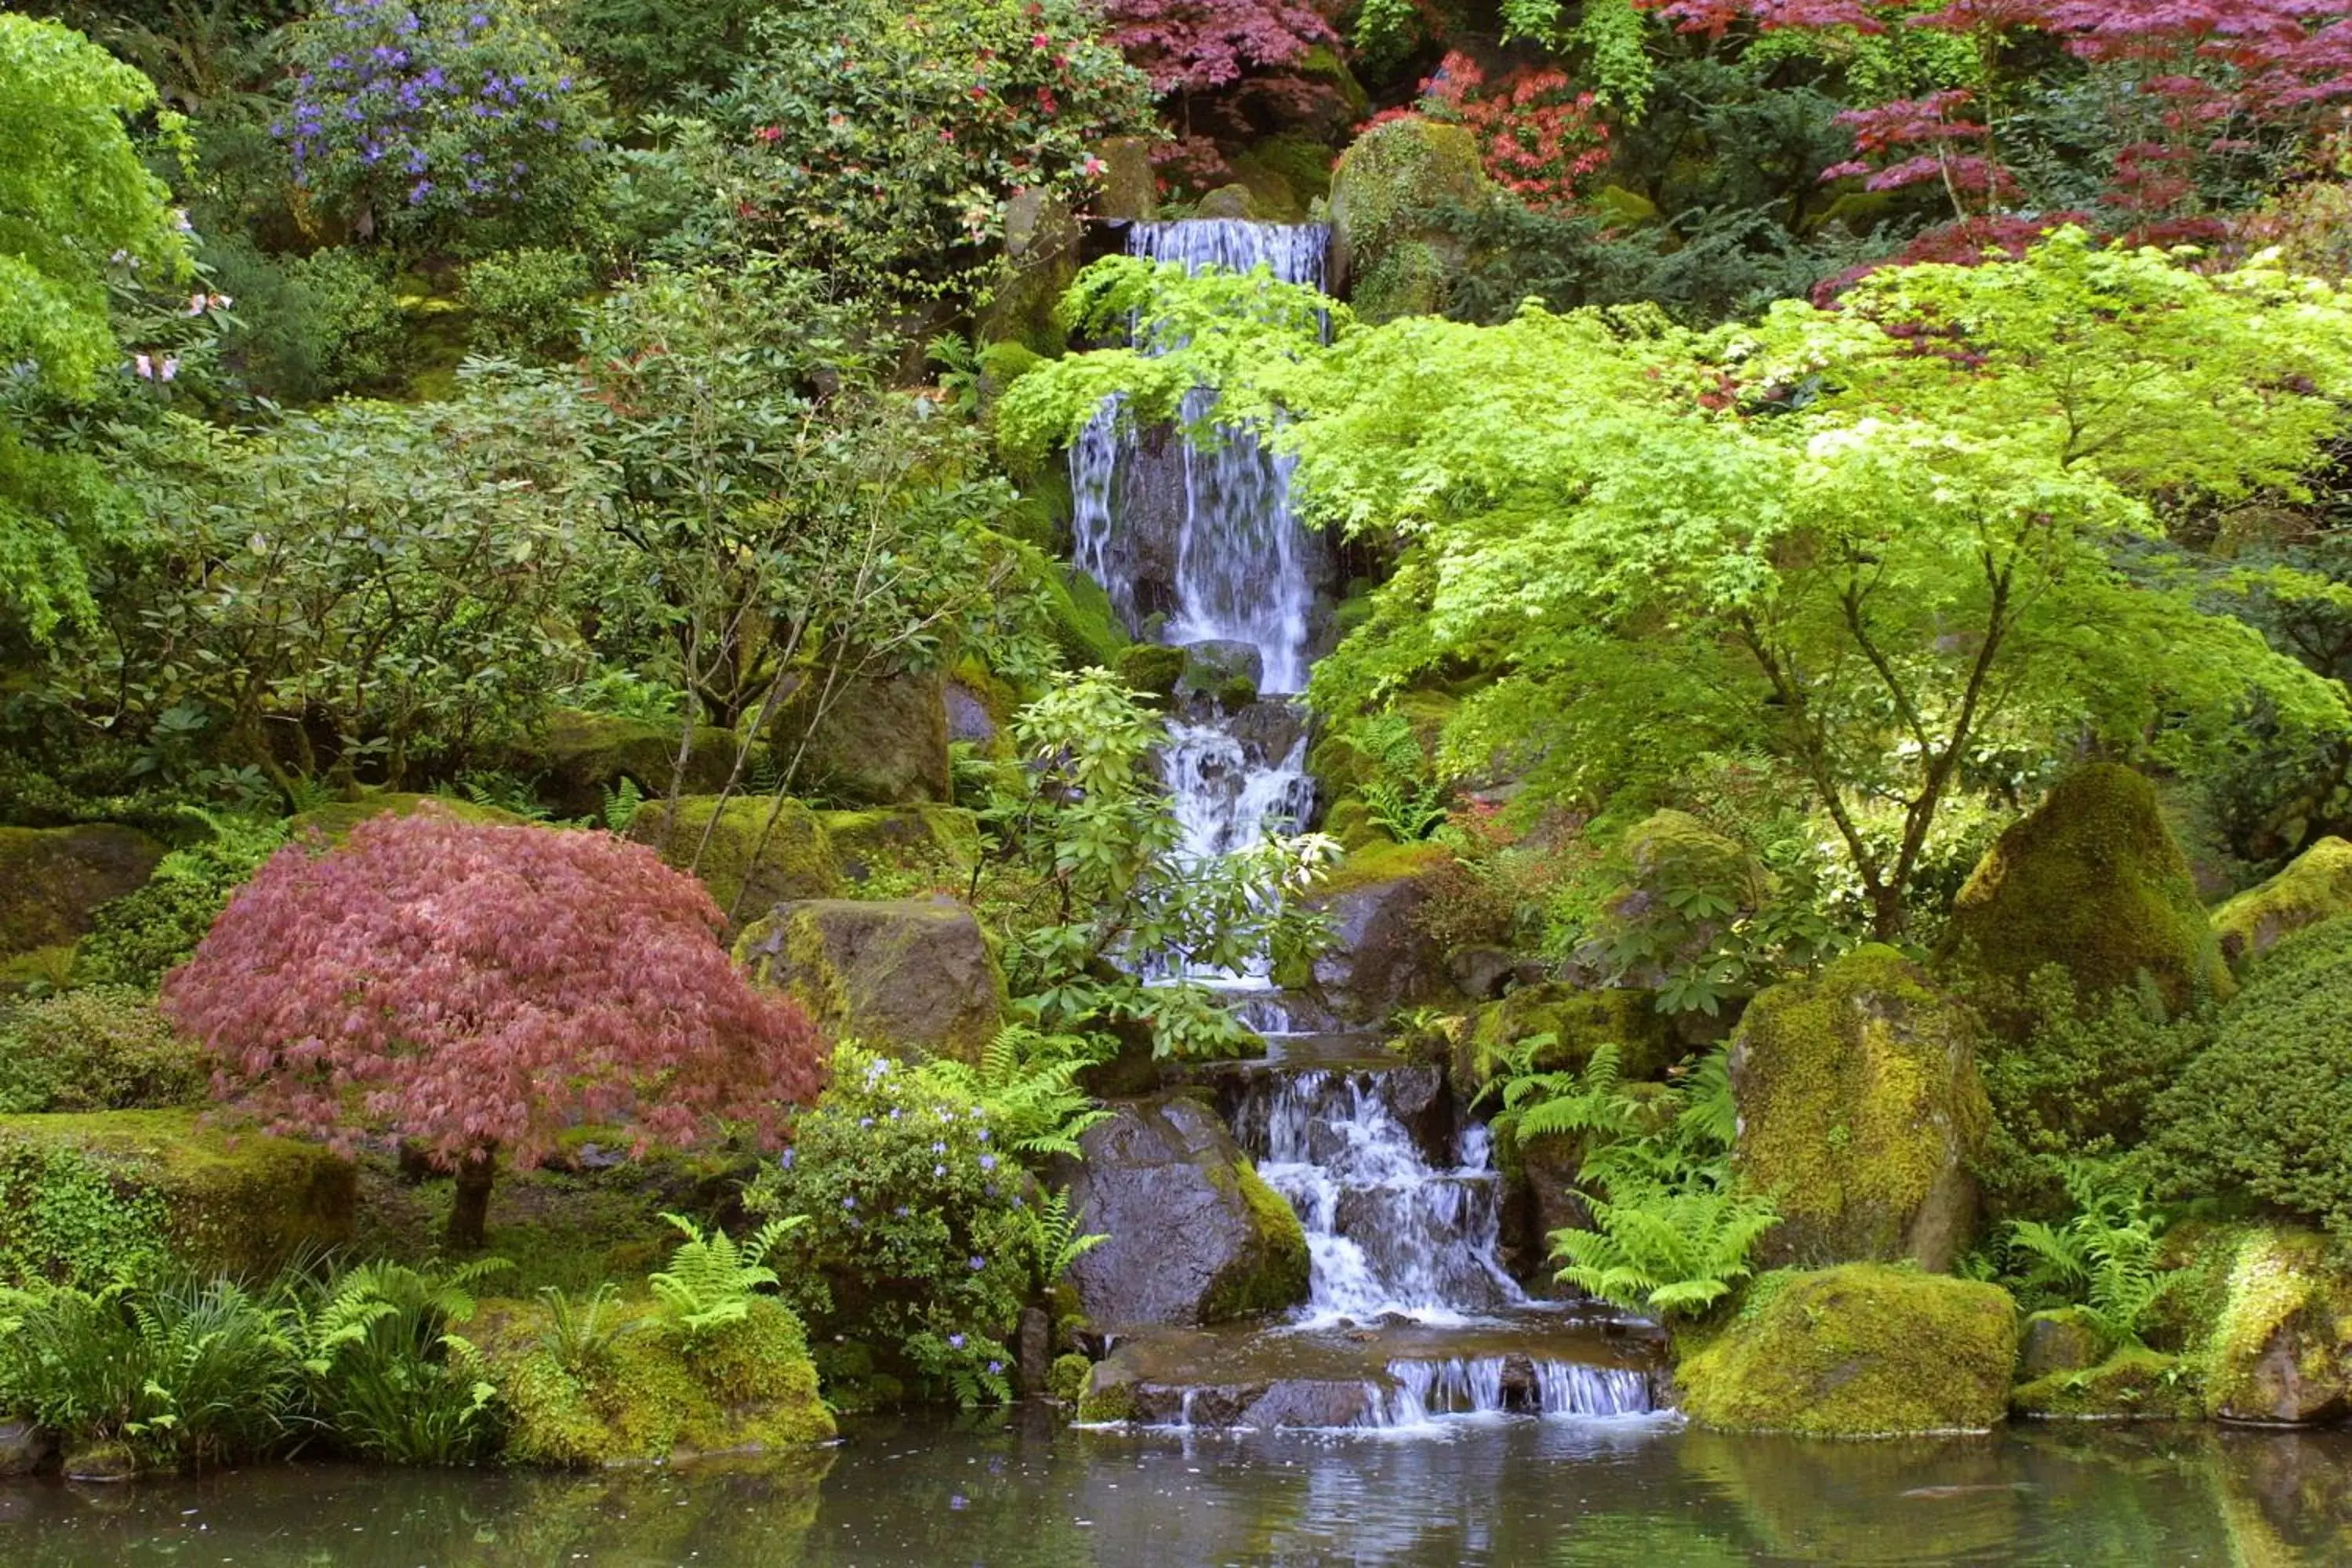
(1212, 61)
(476, 990)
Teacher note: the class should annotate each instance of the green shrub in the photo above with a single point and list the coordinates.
(104, 1049)
(2265, 1109)
(355, 336)
(918, 1240)
(526, 301)
(68, 1225)
(136, 939)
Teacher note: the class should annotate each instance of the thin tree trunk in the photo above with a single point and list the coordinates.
(470, 1212)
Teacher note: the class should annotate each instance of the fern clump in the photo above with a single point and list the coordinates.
(2104, 1261)
(712, 1277)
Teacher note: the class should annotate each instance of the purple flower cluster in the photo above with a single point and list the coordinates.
(429, 104)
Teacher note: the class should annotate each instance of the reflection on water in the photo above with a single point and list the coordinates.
(1637, 1493)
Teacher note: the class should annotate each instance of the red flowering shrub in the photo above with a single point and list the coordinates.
(1538, 137)
(476, 990)
(2197, 105)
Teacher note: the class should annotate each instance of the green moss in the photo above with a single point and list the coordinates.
(1002, 365)
(1151, 668)
(2093, 880)
(653, 1395)
(2284, 1320)
(1302, 164)
(1108, 1406)
(1860, 1351)
(1349, 821)
(1860, 1107)
(889, 853)
(1080, 620)
(1392, 265)
(1577, 1020)
(1067, 1381)
(1273, 1275)
(581, 756)
(233, 1203)
(2317, 886)
(873, 741)
(901, 974)
(2133, 1385)
(1381, 861)
(52, 880)
(335, 820)
(797, 859)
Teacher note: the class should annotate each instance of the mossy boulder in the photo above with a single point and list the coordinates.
(229, 1202)
(52, 880)
(1576, 1019)
(2062, 1339)
(2093, 881)
(1661, 861)
(1224, 671)
(1042, 239)
(2279, 1350)
(653, 1394)
(1382, 958)
(898, 847)
(1390, 261)
(1196, 1235)
(1130, 189)
(2316, 885)
(581, 755)
(875, 740)
(1860, 1350)
(1151, 668)
(749, 863)
(2133, 1385)
(901, 974)
(1860, 1112)
(1285, 174)
(1079, 617)
(334, 821)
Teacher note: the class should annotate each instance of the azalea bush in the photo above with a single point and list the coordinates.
(1540, 136)
(444, 121)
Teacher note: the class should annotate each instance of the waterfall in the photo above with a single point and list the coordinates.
(1388, 1231)
(1214, 556)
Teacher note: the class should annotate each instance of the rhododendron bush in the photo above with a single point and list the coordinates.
(476, 990)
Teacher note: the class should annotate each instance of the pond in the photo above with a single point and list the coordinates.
(1646, 1493)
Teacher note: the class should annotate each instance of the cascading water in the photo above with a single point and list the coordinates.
(1388, 1232)
(1412, 1316)
(1239, 569)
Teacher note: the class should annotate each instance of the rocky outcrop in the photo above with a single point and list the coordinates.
(1195, 1235)
(583, 755)
(2093, 882)
(1042, 239)
(238, 1202)
(751, 851)
(1575, 1020)
(878, 741)
(1388, 259)
(900, 974)
(655, 1395)
(52, 880)
(1861, 1350)
(2316, 885)
(1380, 959)
(938, 843)
(2280, 1349)
(1131, 190)
(1860, 1113)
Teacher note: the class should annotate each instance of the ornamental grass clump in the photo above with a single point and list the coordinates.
(477, 990)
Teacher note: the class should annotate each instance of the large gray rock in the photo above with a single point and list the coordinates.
(1381, 958)
(901, 974)
(880, 741)
(1195, 1235)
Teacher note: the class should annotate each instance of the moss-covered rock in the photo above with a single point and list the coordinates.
(900, 974)
(1196, 1235)
(2134, 1385)
(1860, 1110)
(1042, 237)
(229, 1202)
(1390, 262)
(52, 880)
(878, 741)
(1151, 668)
(651, 1395)
(334, 821)
(1065, 1380)
(1860, 1351)
(1131, 190)
(1576, 1019)
(2062, 1339)
(581, 755)
(1085, 629)
(1382, 958)
(1285, 175)
(918, 848)
(2279, 1350)
(2092, 882)
(749, 863)
(2316, 885)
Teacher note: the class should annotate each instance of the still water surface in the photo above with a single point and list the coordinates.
(1637, 1493)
